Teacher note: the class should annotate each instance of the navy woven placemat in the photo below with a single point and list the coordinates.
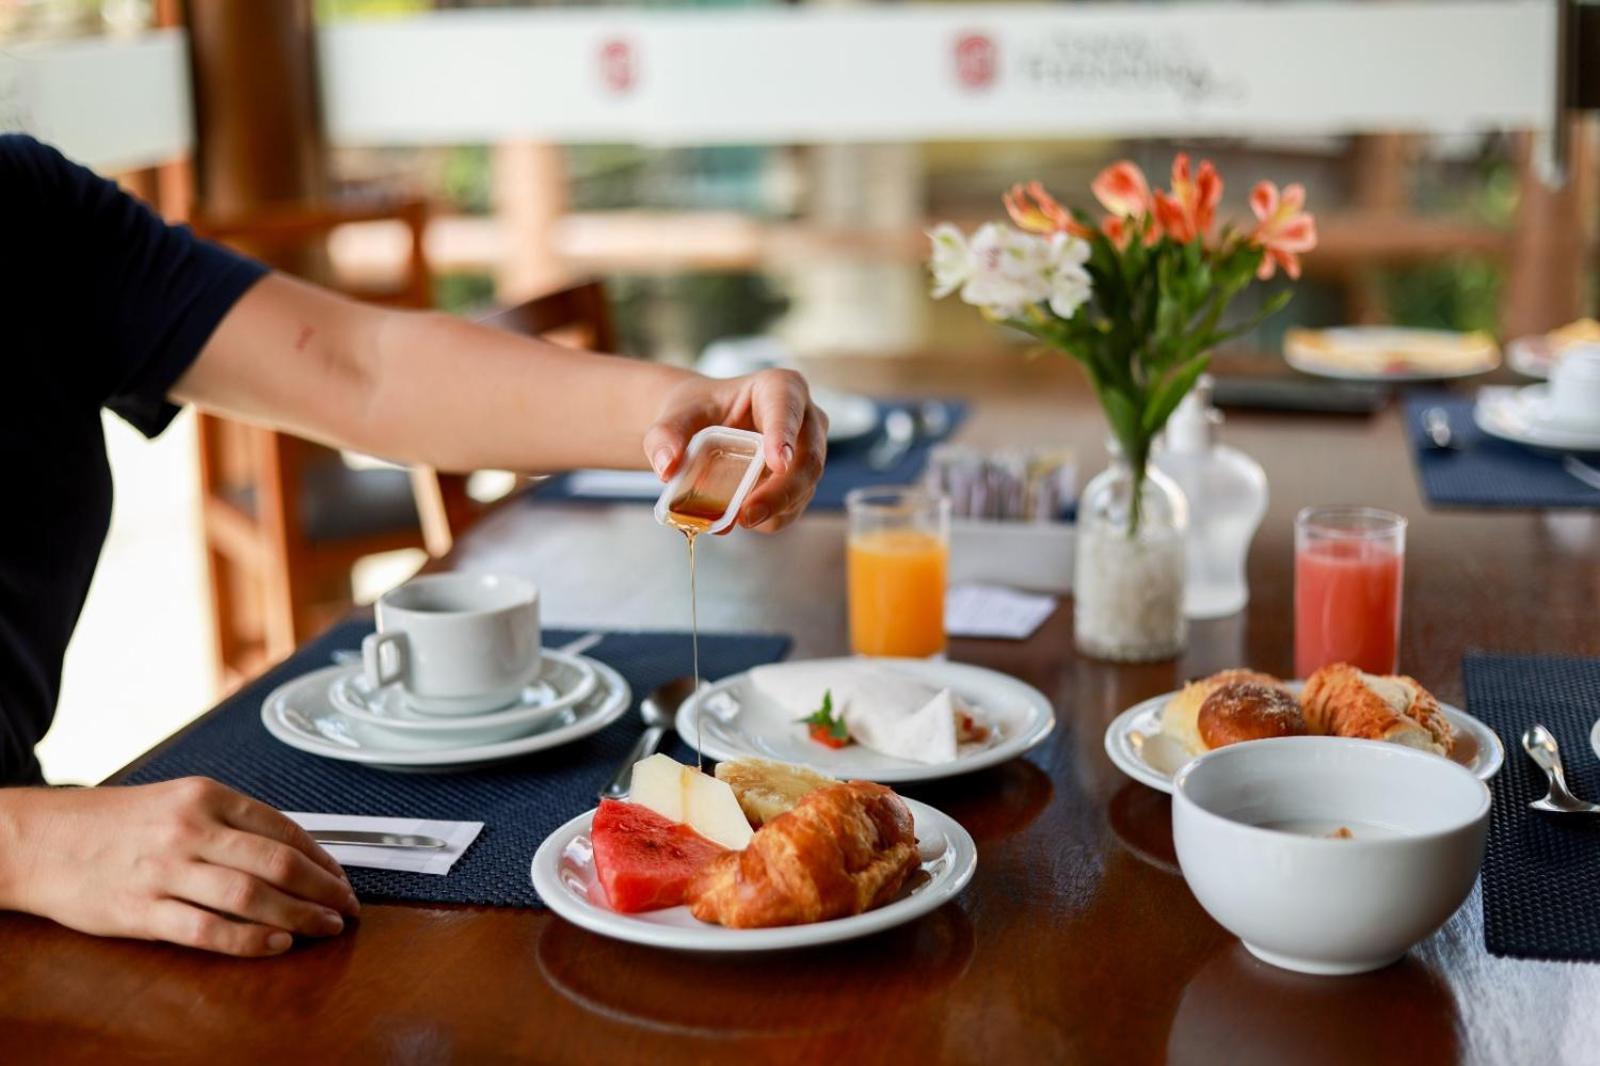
(1541, 873)
(519, 802)
(847, 465)
(1486, 471)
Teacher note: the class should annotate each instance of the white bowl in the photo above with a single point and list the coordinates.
(1307, 902)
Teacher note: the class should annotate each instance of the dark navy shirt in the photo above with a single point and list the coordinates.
(104, 305)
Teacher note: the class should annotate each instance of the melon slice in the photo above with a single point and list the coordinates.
(645, 862)
(683, 794)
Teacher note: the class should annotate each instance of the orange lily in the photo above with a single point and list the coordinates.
(1122, 190)
(1187, 213)
(1036, 211)
(1285, 230)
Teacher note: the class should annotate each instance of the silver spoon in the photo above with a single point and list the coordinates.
(1541, 748)
(899, 434)
(1436, 427)
(659, 710)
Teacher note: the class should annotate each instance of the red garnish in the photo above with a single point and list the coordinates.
(824, 727)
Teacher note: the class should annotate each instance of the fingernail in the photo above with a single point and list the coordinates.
(331, 922)
(786, 453)
(755, 514)
(352, 905)
(662, 460)
(279, 941)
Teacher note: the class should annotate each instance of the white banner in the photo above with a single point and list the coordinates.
(900, 73)
(797, 75)
(111, 103)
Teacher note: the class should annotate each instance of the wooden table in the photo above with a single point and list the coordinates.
(1077, 940)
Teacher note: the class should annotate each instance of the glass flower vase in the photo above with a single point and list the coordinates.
(1128, 569)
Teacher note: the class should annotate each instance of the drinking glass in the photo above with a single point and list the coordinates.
(896, 560)
(1348, 567)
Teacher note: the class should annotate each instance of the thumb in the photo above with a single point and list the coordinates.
(665, 442)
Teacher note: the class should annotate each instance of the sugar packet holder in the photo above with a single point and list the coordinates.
(712, 446)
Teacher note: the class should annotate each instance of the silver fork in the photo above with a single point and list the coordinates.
(1541, 747)
(1582, 471)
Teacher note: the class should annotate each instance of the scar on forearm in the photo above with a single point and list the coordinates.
(304, 337)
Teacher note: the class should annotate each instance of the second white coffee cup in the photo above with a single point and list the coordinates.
(1575, 388)
(456, 643)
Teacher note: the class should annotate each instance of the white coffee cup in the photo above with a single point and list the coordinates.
(456, 643)
(1575, 388)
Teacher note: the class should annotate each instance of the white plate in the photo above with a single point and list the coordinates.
(850, 417)
(1594, 737)
(1139, 749)
(300, 714)
(563, 875)
(1518, 415)
(563, 681)
(1312, 361)
(739, 721)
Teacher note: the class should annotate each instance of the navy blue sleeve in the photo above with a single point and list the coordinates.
(132, 298)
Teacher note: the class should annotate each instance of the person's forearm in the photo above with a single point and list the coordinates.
(461, 396)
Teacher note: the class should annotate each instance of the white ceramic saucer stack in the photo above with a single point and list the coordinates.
(336, 713)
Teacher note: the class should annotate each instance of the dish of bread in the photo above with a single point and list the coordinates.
(883, 720)
(1383, 353)
(1151, 740)
(1535, 355)
(759, 856)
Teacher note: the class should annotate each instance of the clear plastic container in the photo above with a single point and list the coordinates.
(718, 472)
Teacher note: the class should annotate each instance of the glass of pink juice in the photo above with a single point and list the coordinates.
(1348, 565)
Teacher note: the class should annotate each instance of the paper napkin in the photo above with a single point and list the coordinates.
(458, 836)
(995, 611)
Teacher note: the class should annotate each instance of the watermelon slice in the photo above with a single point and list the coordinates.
(645, 862)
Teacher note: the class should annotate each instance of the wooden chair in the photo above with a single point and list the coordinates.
(577, 316)
(285, 520)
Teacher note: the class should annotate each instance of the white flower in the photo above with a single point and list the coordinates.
(952, 259)
(1069, 281)
(1011, 270)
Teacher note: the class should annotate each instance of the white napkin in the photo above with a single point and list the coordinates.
(885, 710)
(456, 835)
(617, 484)
(995, 611)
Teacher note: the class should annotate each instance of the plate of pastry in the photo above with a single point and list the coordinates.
(1151, 740)
(884, 720)
(1537, 354)
(762, 856)
(1385, 353)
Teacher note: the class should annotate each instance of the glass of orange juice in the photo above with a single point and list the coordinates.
(897, 558)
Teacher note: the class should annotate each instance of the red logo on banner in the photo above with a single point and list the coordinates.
(977, 60)
(617, 68)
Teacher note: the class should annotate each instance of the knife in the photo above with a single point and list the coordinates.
(376, 840)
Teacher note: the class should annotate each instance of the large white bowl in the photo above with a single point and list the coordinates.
(1315, 904)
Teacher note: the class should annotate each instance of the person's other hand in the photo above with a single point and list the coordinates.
(189, 861)
(777, 403)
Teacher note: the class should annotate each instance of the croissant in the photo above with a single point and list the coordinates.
(1343, 701)
(840, 851)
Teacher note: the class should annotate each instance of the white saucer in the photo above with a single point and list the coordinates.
(1309, 360)
(850, 417)
(1139, 749)
(563, 875)
(739, 721)
(1520, 415)
(301, 715)
(1531, 356)
(563, 681)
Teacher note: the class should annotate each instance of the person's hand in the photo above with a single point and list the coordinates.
(777, 403)
(189, 861)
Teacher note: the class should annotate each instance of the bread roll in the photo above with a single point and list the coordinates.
(1180, 717)
(766, 789)
(1345, 702)
(1248, 710)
